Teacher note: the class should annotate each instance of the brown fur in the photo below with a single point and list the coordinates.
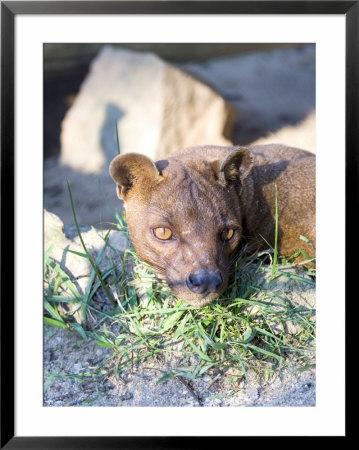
(201, 191)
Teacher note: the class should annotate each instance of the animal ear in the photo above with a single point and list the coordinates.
(128, 169)
(236, 166)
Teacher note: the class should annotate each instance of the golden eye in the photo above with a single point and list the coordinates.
(227, 234)
(162, 233)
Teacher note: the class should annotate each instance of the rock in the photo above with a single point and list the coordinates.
(77, 367)
(157, 108)
(300, 136)
(271, 89)
(78, 268)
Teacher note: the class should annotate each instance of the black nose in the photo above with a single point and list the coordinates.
(203, 281)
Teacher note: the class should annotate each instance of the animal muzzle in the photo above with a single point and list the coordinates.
(204, 281)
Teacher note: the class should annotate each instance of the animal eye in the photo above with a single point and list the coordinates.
(227, 234)
(162, 233)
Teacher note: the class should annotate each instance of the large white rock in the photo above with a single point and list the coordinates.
(157, 108)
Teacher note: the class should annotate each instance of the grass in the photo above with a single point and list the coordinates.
(246, 330)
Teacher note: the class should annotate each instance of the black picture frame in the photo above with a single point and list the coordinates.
(9, 9)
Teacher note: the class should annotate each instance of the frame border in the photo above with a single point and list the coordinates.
(9, 9)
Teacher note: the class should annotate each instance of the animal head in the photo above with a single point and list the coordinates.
(184, 215)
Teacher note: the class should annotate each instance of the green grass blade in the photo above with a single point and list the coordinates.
(60, 299)
(46, 256)
(65, 279)
(95, 268)
(275, 256)
(264, 352)
(53, 312)
(55, 323)
(83, 255)
(172, 320)
(78, 328)
(197, 350)
(117, 139)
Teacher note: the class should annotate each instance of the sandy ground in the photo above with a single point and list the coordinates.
(67, 356)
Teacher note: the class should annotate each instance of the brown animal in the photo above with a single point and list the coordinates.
(187, 214)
